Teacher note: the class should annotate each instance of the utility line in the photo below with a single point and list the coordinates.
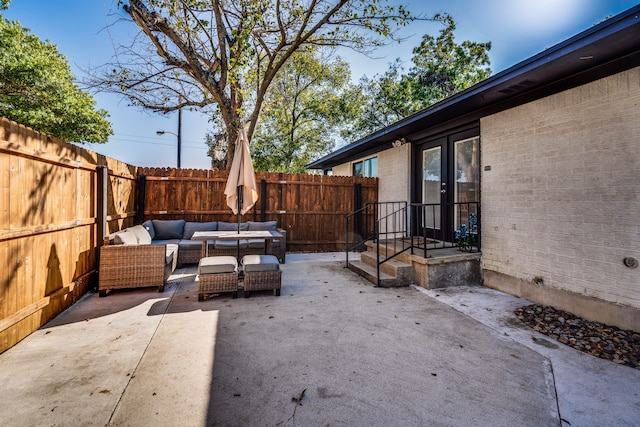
(203, 147)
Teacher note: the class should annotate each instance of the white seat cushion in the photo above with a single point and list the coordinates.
(125, 237)
(168, 257)
(143, 236)
(260, 263)
(217, 264)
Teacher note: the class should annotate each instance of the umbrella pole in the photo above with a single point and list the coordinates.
(239, 197)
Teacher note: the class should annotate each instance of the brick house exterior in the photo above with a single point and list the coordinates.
(559, 167)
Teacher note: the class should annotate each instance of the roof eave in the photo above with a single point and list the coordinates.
(617, 25)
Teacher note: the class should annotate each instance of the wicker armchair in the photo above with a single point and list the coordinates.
(133, 266)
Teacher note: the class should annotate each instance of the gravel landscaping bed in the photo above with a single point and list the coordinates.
(597, 339)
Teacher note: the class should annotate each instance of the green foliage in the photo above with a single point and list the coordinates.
(386, 98)
(309, 102)
(37, 89)
(440, 69)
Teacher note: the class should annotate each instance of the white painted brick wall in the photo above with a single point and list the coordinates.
(394, 170)
(342, 170)
(562, 198)
(393, 167)
(395, 183)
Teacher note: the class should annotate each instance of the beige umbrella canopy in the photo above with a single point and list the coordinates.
(241, 189)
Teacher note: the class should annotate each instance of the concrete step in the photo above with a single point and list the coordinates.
(392, 267)
(388, 250)
(369, 273)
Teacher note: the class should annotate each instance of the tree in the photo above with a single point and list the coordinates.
(37, 89)
(223, 55)
(384, 104)
(310, 100)
(440, 69)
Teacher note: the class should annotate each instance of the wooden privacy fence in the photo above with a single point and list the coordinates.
(51, 211)
(312, 208)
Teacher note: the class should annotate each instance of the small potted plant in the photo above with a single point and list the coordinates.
(467, 238)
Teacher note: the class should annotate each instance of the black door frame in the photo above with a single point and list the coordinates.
(422, 223)
(447, 141)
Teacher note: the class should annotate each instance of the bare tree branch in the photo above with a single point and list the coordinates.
(226, 53)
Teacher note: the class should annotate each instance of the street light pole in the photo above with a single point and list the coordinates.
(178, 135)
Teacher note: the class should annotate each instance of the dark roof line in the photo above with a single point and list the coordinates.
(510, 75)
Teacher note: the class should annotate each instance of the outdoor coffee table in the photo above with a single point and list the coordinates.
(204, 236)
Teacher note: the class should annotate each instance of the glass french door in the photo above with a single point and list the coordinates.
(448, 185)
(467, 182)
(434, 189)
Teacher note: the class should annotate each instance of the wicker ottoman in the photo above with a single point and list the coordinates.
(261, 273)
(217, 274)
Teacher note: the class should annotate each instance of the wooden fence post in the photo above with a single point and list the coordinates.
(102, 173)
(263, 200)
(141, 189)
(357, 205)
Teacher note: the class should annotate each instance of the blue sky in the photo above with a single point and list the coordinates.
(518, 29)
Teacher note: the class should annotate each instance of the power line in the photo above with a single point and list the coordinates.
(115, 139)
(155, 138)
(141, 142)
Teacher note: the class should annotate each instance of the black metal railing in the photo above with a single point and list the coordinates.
(430, 233)
(418, 228)
(363, 225)
(392, 229)
(360, 227)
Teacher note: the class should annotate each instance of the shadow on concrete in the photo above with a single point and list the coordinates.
(118, 301)
(367, 356)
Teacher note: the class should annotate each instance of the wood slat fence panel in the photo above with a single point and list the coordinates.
(312, 208)
(48, 225)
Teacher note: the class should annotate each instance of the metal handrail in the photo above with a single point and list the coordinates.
(366, 234)
(418, 215)
(404, 231)
(397, 221)
(353, 214)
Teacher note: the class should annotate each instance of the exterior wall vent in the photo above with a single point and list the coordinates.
(524, 84)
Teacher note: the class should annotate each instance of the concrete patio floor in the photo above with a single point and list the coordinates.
(363, 356)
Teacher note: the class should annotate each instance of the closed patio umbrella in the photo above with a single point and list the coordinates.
(241, 189)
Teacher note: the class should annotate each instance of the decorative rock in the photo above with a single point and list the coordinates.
(597, 339)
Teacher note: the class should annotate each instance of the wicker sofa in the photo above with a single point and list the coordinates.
(129, 260)
(145, 255)
(179, 232)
